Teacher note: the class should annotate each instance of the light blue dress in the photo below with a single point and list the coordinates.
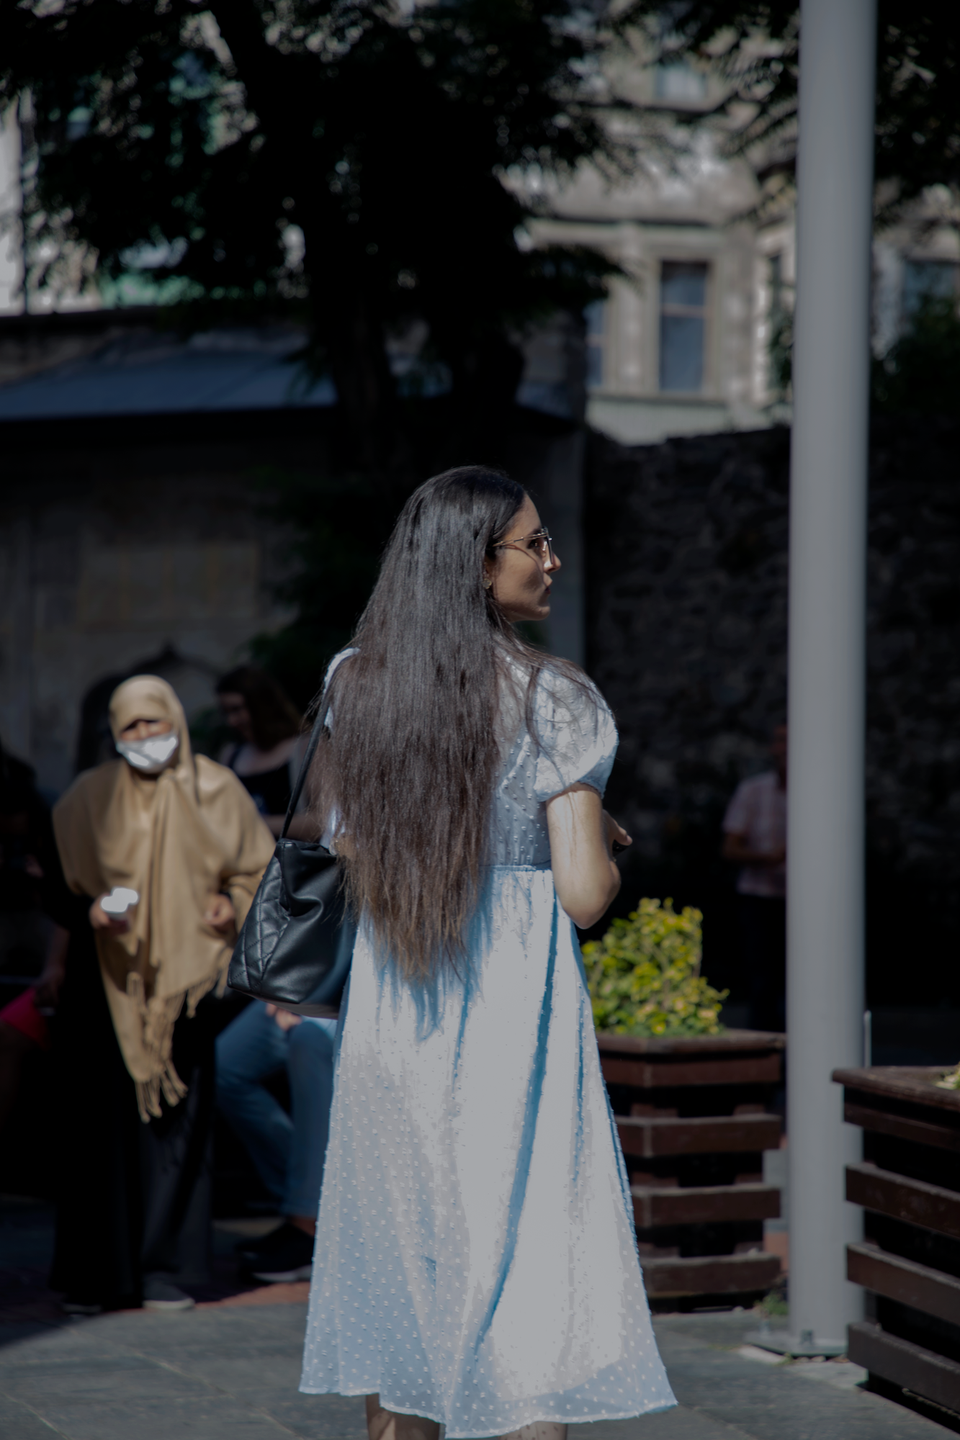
(476, 1260)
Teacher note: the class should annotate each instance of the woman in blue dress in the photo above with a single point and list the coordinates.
(476, 1262)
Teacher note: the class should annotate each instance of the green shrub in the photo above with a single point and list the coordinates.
(644, 975)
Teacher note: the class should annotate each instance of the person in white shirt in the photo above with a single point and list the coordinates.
(755, 838)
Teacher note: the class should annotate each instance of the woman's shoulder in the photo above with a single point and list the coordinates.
(215, 780)
(214, 770)
(564, 691)
(576, 735)
(230, 813)
(220, 790)
(90, 785)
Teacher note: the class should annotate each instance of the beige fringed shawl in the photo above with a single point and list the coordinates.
(177, 839)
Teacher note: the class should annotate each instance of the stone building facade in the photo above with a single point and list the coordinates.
(695, 329)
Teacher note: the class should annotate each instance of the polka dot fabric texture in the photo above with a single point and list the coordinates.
(475, 1258)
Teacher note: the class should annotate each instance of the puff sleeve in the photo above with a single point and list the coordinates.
(576, 735)
(334, 820)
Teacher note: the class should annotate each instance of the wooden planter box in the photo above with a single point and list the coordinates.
(909, 1263)
(694, 1118)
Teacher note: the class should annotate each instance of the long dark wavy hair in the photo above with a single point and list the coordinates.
(273, 715)
(412, 754)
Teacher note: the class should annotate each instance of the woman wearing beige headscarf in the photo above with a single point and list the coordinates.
(180, 834)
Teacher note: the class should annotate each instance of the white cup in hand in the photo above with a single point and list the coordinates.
(119, 901)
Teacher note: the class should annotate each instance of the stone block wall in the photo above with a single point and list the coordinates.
(124, 544)
(686, 546)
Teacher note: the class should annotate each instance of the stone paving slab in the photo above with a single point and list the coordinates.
(18, 1422)
(773, 1402)
(231, 1372)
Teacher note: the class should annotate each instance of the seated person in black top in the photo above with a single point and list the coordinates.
(269, 745)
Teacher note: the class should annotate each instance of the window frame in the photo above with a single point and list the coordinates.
(704, 312)
(597, 342)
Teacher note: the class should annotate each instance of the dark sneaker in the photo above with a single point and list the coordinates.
(250, 1247)
(289, 1258)
(71, 1306)
(160, 1294)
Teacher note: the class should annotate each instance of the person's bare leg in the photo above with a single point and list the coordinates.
(388, 1425)
(539, 1430)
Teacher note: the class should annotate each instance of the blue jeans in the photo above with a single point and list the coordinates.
(288, 1150)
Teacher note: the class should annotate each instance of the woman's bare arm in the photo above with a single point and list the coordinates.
(582, 835)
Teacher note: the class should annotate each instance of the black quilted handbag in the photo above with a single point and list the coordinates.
(296, 943)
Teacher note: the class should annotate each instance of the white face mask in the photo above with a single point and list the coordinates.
(152, 755)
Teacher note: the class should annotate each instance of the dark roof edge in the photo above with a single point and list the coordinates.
(72, 320)
(122, 316)
(164, 427)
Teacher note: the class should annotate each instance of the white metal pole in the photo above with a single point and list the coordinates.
(828, 523)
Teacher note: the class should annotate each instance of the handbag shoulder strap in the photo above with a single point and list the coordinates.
(322, 712)
(305, 764)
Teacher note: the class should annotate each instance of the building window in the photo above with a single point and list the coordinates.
(680, 83)
(927, 280)
(683, 313)
(595, 316)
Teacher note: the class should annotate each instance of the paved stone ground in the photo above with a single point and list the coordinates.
(229, 1371)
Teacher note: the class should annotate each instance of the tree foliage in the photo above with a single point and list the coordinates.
(346, 158)
(757, 46)
(342, 156)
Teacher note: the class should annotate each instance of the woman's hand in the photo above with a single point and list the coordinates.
(616, 835)
(220, 914)
(284, 1018)
(111, 924)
